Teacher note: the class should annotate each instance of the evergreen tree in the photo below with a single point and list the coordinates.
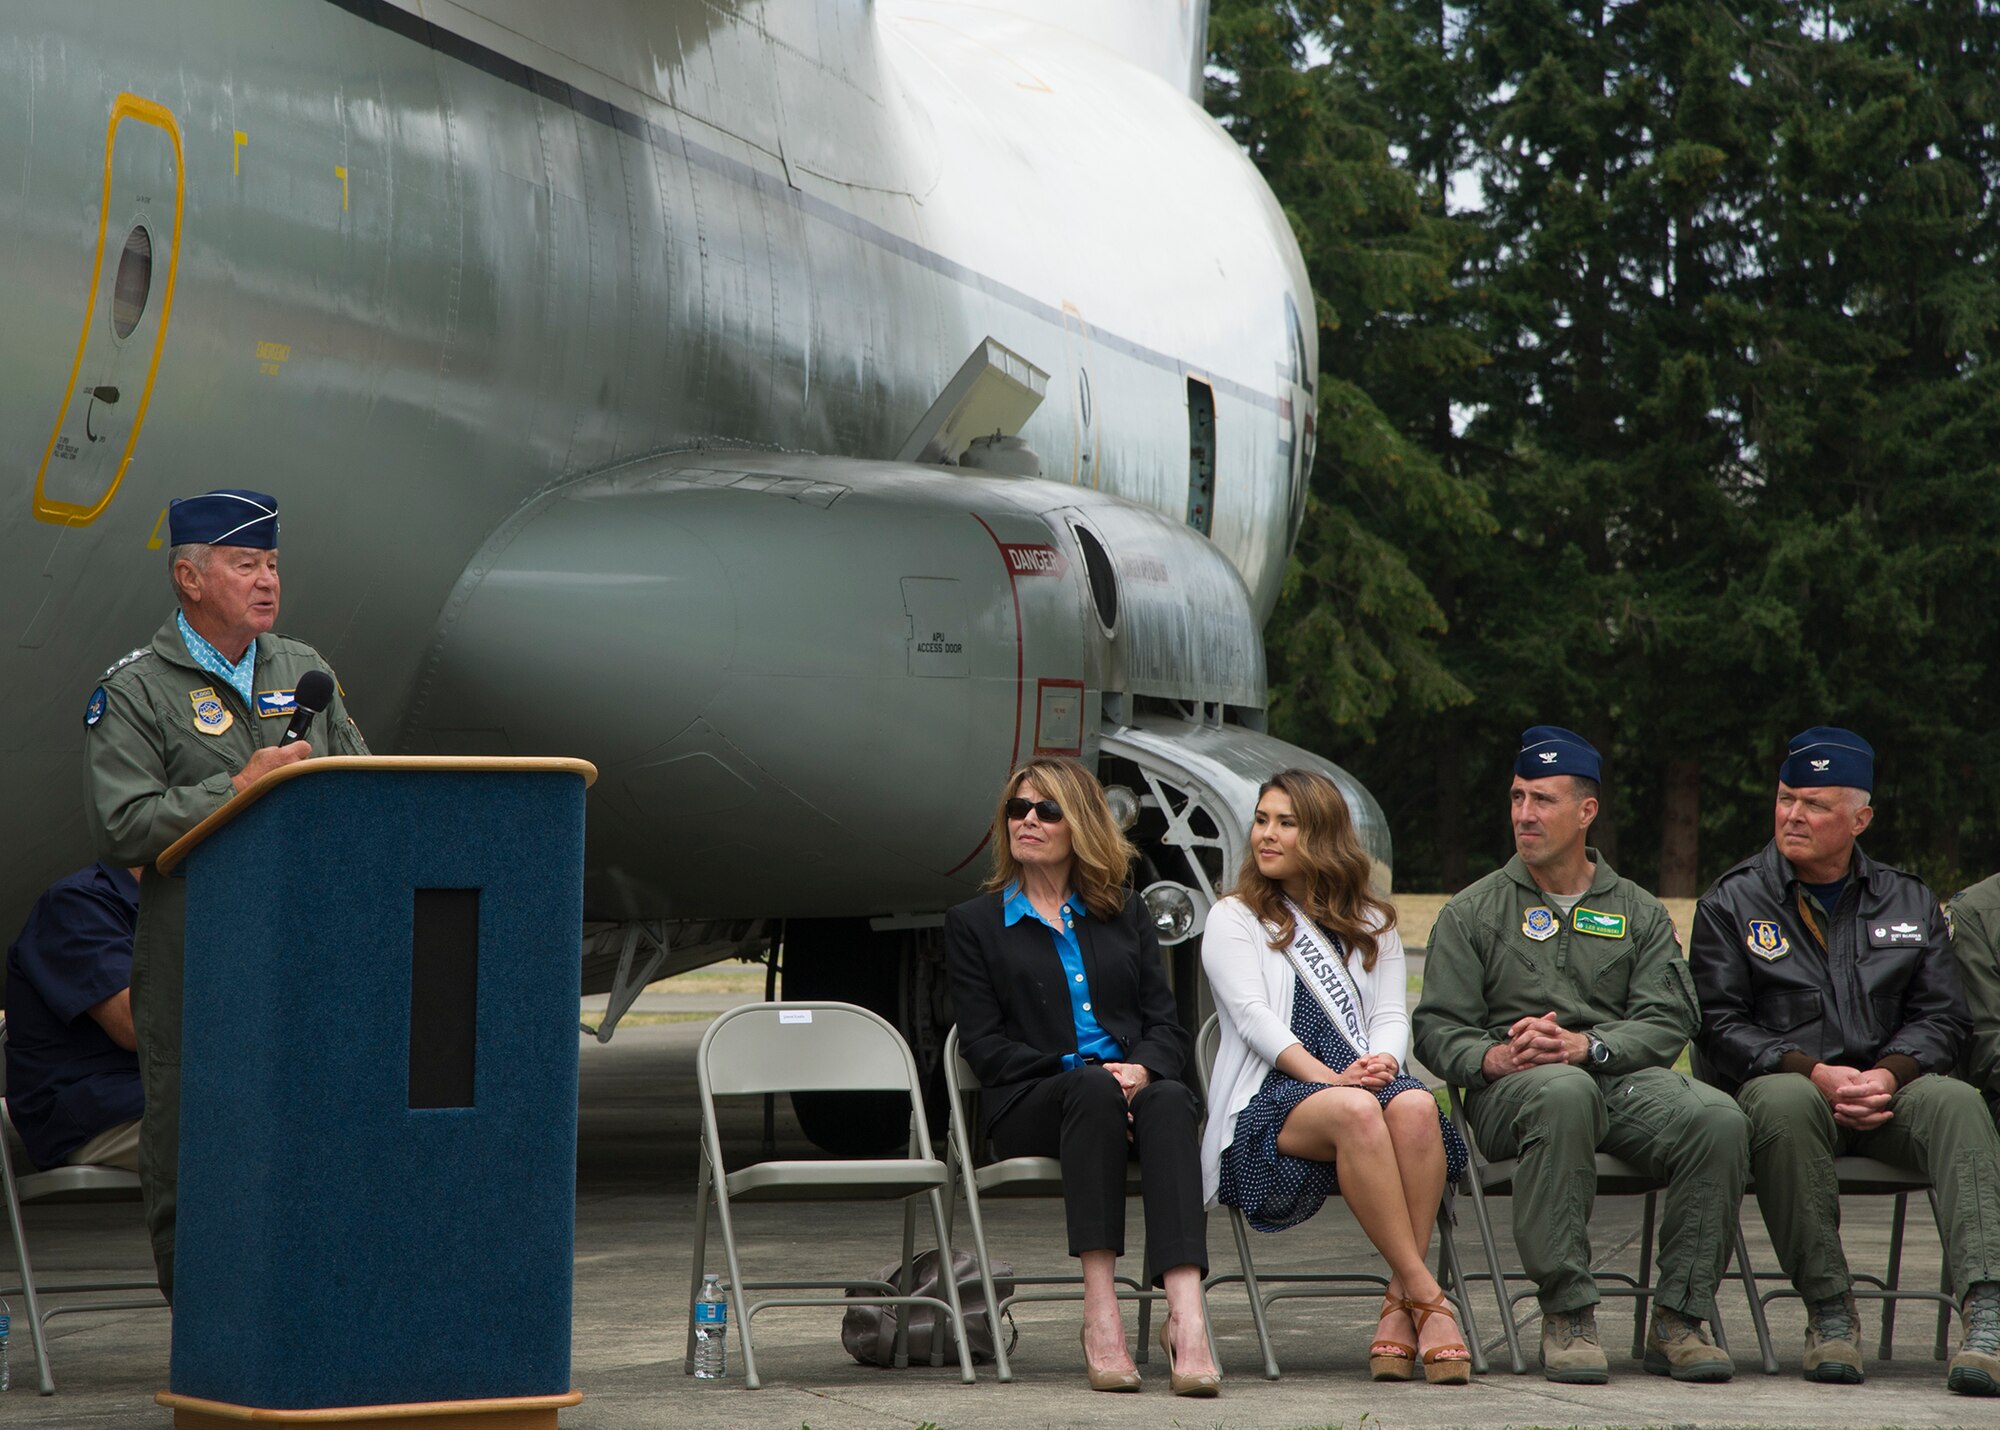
(1355, 631)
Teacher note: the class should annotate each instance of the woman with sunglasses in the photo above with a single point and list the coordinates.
(1308, 1094)
(1065, 1014)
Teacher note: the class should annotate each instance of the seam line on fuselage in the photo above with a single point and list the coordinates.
(543, 85)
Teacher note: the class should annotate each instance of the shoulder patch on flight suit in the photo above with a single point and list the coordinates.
(1766, 942)
(1538, 924)
(1590, 921)
(124, 660)
(94, 711)
(211, 716)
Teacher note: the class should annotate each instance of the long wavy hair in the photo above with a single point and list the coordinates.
(1100, 854)
(1338, 898)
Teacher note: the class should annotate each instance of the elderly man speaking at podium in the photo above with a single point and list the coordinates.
(175, 729)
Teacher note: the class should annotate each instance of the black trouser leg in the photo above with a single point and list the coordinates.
(1164, 1126)
(1076, 1116)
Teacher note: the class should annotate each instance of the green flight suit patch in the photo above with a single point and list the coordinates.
(1602, 925)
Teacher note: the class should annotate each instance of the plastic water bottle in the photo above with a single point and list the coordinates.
(711, 1330)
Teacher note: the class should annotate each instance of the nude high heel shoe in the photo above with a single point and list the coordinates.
(1201, 1385)
(1105, 1379)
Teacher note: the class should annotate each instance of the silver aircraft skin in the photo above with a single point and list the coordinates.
(602, 357)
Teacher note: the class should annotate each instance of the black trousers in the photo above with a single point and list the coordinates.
(1078, 1116)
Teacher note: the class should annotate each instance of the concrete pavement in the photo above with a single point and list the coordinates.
(634, 1223)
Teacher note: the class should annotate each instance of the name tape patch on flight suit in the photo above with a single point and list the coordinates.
(1765, 941)
(1592, 922)
(275, 702)
(1904, 932)
(1539, 924)
(211, 716)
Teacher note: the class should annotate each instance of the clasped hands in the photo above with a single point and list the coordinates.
(1131, 1077)
(1533, 1043)
(1860, 1098)
(1373, 1071)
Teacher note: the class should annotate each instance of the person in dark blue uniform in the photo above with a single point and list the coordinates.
(72, 1073)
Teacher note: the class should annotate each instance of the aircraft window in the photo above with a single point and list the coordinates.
(1103, 580)
(134, 282)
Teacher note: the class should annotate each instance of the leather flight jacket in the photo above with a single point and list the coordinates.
(1883, 991)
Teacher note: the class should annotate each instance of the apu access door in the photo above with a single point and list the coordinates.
(102, 406)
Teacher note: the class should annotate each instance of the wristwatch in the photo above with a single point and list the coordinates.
(1598, 1054)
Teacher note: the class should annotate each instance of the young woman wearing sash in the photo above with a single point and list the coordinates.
(1308, 1095)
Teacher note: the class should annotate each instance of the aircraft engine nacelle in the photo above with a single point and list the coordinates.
(804, 679)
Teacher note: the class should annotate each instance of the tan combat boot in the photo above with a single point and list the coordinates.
(1682, 1348)
(1570, 1352)
(1975, 1370)
(1833, 1341)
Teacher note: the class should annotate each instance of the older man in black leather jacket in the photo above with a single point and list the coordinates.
(1831, 1007)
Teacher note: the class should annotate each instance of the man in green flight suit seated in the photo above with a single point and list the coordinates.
(1555, 994)
(1975, 942)
(175, 729)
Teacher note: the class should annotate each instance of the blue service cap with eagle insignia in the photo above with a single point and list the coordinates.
(1552, 750)
(231, 517)
(1828, 755)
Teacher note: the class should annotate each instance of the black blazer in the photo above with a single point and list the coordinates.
(1012, 1002)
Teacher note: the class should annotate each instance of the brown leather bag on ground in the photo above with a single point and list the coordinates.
(869, 1332)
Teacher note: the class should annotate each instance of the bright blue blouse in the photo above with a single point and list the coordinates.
(1091, 1039)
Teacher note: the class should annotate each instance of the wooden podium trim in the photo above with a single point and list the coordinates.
(527, 1412)
(185, 845)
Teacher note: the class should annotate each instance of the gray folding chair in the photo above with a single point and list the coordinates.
(1615, 1178)
(1018, 1177)
(60, 1184)
(816, 1047)
(1322, 1283)
(1861, 1177)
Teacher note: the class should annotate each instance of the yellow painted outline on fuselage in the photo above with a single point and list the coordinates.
(125, 106)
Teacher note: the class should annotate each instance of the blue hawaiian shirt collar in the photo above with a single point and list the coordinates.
(240, 677)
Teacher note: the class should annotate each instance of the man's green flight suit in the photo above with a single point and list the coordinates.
(1612, 969)
(153, 770)
(1975, 942)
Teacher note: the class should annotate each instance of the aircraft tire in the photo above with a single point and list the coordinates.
(845, 960)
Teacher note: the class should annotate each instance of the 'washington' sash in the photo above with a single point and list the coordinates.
(1327, 975)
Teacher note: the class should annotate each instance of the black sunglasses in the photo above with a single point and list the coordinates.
(1046, 809)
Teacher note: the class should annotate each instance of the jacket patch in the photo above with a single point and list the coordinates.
(1883, 935)
(1765, 941)
(211, 716)
(275, 702)
(1538, 924)
(94, 711)
(1590, 921)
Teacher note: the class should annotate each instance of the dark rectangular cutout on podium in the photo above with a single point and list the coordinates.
(444, 997)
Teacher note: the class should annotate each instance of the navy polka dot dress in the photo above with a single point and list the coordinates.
(1272, 1190)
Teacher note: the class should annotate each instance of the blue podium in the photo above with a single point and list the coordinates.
(378, 1096)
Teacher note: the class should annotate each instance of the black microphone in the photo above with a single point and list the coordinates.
(314, 691)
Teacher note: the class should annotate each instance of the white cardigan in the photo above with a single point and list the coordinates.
(1253, 985)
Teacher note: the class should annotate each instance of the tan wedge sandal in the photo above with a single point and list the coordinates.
(1450, 1363)
(1391, 1360)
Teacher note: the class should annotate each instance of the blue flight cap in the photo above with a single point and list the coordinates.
(226, 518)
(1552, 750)
(1829, 755)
